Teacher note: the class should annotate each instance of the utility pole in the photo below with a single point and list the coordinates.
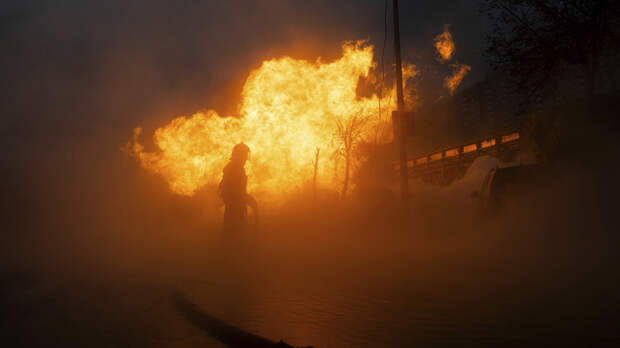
(404, 177)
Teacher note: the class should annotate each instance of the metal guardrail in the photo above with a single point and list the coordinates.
(462, 153)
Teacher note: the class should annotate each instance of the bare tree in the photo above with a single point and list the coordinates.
(349, 134)
(534, 39)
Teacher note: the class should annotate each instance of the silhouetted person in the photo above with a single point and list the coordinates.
(233, 190)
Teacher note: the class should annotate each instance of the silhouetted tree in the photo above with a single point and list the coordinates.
(535, 39)
(349, 133)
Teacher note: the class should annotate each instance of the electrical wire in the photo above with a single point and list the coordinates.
(385, 34)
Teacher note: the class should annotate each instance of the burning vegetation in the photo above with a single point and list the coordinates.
(289, 109)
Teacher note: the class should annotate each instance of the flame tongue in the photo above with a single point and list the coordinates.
(452, 82)
(289, 108)
(444, 45)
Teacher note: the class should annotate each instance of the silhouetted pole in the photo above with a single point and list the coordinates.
(404, 178)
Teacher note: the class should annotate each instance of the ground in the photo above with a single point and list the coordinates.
(332, 275)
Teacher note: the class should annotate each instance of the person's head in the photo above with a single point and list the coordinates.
(240, 153)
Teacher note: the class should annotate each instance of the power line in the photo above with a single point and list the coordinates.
(385, 36)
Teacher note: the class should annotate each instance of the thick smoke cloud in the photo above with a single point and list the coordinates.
(108, 243)
(81, 75)
(140, 60)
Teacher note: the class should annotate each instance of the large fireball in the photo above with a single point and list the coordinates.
(289, 108)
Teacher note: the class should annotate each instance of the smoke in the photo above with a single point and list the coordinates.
(98, 244)
(65, 116)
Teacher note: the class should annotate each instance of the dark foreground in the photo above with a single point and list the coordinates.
(340, 275)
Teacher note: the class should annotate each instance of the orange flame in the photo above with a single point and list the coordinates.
(289, 108)
(444, 45)
(452, 82)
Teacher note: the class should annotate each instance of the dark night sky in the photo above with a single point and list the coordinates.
(72, 68)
